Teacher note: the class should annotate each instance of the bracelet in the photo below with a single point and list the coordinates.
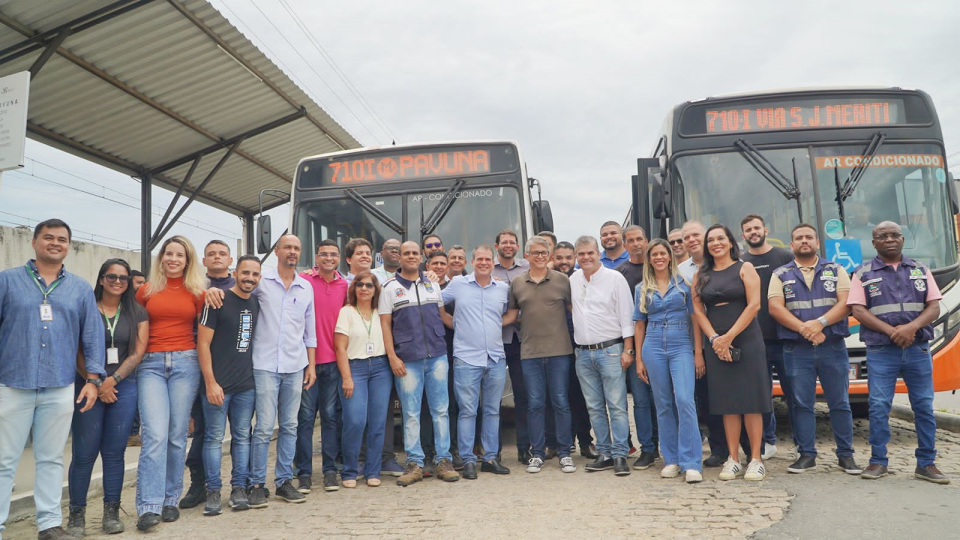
(713, 337)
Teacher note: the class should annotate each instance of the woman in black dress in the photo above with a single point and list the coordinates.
(726, 302)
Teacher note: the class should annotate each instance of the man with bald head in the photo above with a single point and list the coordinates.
(896, 300)
(410, 316)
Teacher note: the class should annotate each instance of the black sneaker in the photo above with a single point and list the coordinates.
(287, 492)
(602, 463)
(238, 499)
(169, 514)
(620, 467)
(213, 506)
(523, 456)
(330, 482)
(848, 465)
(715, 460)
(645, 460)
(77, 521)
(457, 463)
(257, 497)
(304, 484)
(549, 453)
(148, 521)
(803, 464)
(931, 473)
(195, 495)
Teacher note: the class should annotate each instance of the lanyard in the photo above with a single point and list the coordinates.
(111, 325)
(369, 326)
(36, 279)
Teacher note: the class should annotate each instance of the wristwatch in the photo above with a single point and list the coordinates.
(823, 321)
(116, 378)
(96, 382)
(631, 352)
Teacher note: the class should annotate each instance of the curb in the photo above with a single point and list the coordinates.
(945, 421)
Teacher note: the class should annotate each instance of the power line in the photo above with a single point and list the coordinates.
(315, 72)
(339, 72)
(76, 231)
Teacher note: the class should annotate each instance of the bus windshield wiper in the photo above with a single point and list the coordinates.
(377, 213)
(440, 211)
(846, 190)
(770, 173)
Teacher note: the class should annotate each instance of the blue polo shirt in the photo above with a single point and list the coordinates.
(613, 263)
(478, 320)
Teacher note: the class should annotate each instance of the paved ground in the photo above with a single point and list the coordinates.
(553, 504)
(948, 402)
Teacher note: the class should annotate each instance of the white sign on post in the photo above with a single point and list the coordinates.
(14, 94)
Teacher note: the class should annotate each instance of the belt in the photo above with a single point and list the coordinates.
(604, 345)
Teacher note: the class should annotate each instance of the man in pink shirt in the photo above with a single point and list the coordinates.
(323, 398)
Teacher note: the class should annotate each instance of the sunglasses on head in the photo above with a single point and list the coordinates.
(676, 242)
(115, 277)
(364, 285)
(433, 245)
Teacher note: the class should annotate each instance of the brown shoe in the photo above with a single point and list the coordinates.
(445, 471)
(874, 471)
(55, 533)
(930, 473)
(412, 474)
(134, 440)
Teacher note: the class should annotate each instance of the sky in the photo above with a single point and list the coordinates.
(584, 90)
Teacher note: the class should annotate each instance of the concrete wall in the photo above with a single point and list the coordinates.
(83, 260)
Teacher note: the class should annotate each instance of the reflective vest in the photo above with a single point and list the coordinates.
(811, 303)
(894, 296)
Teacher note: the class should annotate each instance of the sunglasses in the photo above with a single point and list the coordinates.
(115, 277)
(433, 245)
(675, 242)
(365, 285)
(392, 248)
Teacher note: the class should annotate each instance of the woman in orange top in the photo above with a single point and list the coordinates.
(168, 378)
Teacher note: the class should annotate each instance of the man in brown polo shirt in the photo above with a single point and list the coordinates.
(543, 295)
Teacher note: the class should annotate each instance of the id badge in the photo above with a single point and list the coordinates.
(113, 355)
(46, 312)
(369, 347)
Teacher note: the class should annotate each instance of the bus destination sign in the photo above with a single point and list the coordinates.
(804, 114)
(406, 166)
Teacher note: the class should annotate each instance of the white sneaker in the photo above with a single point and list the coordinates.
(731, 470)
(567, 465)
(670, 471)
(534, 465)
(755, 471)
(769, 450)
(693, 477)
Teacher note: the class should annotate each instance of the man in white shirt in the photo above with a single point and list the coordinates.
(603, 329)
(692, 234)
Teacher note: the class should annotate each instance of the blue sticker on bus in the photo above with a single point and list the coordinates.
(845, 252)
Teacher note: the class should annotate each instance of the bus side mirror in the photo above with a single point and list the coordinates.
(263, 234)
(952, 190)
(662, 199)
(542, 216)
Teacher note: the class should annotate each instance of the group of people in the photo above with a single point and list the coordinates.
(692, 328)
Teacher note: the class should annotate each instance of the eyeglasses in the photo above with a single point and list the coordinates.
(115, 277)
(433, 245)
(676, 242)
(364, 285)
(539, 253)
(891, 235)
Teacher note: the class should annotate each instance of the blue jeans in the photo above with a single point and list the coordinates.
(366, 409)
(804, 363)
(551, 376)
(604, 388)
(775, 362)
(323, 398)
(101, 431)
(644, 411)
(475, 385)
(47, 412)
(167, 385)
(238, 408)
(429, 373)
(668, 356)
(915, 366)
(278, 396)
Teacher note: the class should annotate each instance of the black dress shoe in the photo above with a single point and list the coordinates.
(469, 471)
(523, 456)
(620, 467)
(494, 467)
(715, 460)
(589, 451)
(171, 513)
(148, 521)
(602, 463)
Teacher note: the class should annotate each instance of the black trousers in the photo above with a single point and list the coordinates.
(195, 454)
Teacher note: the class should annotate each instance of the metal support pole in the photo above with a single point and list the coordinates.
(146, 225)
(51, 48)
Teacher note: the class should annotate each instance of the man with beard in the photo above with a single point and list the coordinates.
(431, 244)
(808, 297)
(507, 268)
(611, 238)
(390, 253)
(675, 239)
(765, 259)
(564, 261)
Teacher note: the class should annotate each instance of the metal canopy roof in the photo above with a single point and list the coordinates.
(146, 87)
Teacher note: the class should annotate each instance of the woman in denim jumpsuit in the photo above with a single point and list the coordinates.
(666, 359)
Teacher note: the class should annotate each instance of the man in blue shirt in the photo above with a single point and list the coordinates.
(611, 238)
(46, 316)
(479, 364)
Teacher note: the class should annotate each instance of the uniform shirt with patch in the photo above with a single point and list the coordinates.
(858, 290)
(779, 288)
(416, 325)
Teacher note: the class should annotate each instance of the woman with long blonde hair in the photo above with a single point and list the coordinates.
(167, 378)
(668, 361)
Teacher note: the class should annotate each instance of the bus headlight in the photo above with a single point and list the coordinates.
(953, 320)
(938, 332)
